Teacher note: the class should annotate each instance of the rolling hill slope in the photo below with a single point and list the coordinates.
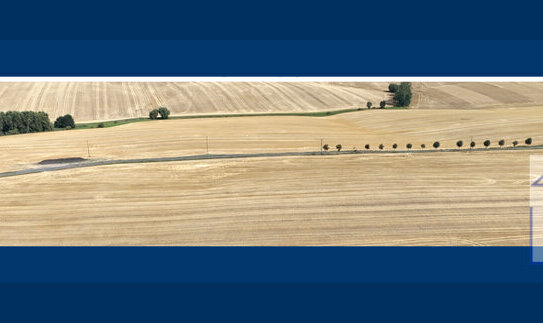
(100, 101)
(476, 95)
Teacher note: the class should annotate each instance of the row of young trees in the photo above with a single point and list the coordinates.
(437, 144)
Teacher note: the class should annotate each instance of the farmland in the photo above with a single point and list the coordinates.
(438, 198)
(476, 95)
(426, 199)
(101, 101)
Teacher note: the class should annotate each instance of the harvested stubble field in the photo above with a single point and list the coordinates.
(476, 95)
(440, 198)
(100, 101)
(394, 199)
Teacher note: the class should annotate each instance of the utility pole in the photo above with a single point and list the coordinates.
(321, 146)
(88, 149)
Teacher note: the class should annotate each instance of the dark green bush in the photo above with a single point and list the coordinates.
(393, 87)
(164, 112)
(153, 114)
(65, 122)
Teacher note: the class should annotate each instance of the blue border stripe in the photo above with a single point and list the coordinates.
(271, 58)
(268, 265)
(278, 19)
(270, 302)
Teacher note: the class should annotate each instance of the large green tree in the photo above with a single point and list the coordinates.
(164, 112)
(65, 122)
(402, 97)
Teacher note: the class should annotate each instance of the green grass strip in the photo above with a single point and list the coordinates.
(108, 124)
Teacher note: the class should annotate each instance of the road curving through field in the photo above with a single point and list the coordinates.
(95, 163)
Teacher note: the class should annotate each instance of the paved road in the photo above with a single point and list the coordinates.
(91, 163)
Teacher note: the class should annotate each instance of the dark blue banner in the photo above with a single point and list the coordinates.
(271, 20)
(269, 265)
(269, 302)
(271, 58)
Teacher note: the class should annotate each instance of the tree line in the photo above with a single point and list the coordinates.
(15, 122)
(437, 144)
(18, 122)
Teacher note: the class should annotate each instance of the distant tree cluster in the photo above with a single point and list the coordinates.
(162, 111)
(65, 122)
(14, 122)
(402, 94)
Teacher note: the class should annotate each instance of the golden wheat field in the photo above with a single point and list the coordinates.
(430, 199)
(99, 101)
(476, 95)
(438, 198)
